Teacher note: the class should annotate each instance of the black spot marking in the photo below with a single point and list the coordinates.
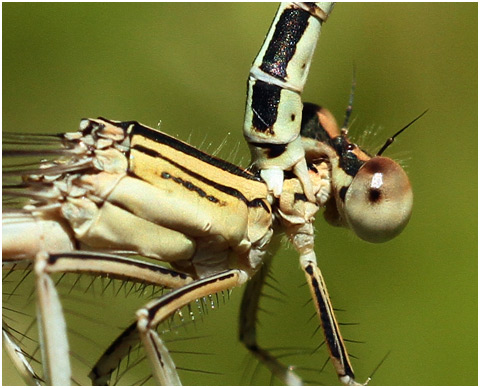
(348, 161)
(189, 185)
(374, 195)
(165, 175)
(300, 197)
(276, 150)
(211, 198)
(293, 117)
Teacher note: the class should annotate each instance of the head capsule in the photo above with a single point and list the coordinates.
(378, 203)
(370, 195)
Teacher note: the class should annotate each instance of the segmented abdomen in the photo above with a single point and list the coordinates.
(278, 74)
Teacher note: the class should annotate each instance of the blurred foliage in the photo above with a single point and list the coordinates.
(186, 65)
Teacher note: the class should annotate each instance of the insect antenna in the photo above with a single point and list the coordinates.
(348, 111)
(391, 139)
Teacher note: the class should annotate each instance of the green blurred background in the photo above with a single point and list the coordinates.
(186, 65)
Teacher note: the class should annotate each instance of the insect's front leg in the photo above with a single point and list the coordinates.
(274, 108)
(297, 216)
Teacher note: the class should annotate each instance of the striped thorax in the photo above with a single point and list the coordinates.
(274, 107)
(122, 177)
(116, 189)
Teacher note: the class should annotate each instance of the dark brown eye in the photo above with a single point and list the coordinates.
(378, 203)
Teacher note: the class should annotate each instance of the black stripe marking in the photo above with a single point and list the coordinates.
(260, 202)
(289, 30)
(152, 311)
(52, 259)
(265, 100)
(189, 186)
(160, 137)
(157, 352)
(330, 333)
(225, 189)
(273, 150)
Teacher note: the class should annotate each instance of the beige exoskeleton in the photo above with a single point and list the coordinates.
(120, 189)
(123, 188)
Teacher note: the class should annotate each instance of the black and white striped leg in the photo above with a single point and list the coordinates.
(157, 311)
(331, 330)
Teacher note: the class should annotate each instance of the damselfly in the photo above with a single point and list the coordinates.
(112, 190)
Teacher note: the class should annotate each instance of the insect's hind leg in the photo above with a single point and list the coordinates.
(18, 357)
(54, 344)
(248, 325)
(53, 330)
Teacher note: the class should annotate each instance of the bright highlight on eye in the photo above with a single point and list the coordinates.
(378, 203)
(377, 180)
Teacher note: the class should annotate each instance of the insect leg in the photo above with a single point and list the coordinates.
(52, 324)
(53, 330)
(158, 310)
(333, 337)
(298, 222)
(248, 326)
(18, 358)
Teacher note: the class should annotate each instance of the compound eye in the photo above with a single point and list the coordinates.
(378, 203)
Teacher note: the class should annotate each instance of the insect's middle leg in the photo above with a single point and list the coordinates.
(154, 313)
(159, 310)
(248, 326)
